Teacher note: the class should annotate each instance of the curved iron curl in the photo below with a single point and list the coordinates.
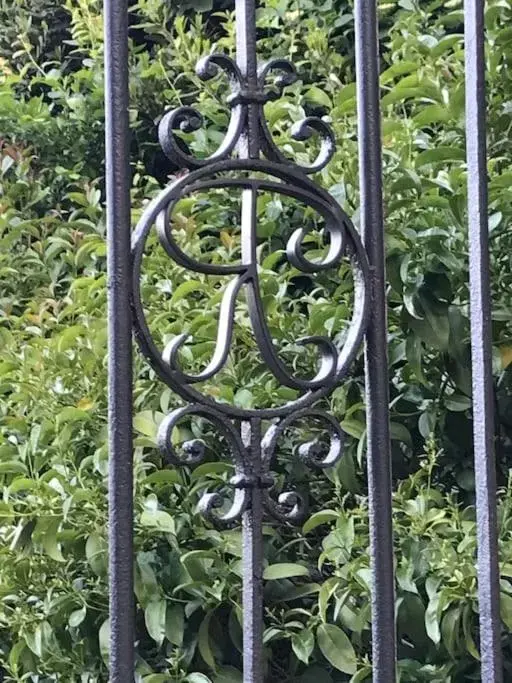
(188, 119)
(287, 75)
(302, 131)
(195, 453)
(290, 505)
(209, 66)
(223, 342)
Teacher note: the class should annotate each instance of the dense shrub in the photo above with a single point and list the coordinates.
(53, 459)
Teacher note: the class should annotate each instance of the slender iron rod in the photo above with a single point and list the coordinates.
(376, 357)
(481, 345)
(119, 343)
(252, 521)
(246, 57)
(252, 550)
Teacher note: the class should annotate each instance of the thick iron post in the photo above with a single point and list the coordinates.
(376, 358)
(481, 345)
(119, 343)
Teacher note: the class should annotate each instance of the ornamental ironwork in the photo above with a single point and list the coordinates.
(249, 153)
(249, 161)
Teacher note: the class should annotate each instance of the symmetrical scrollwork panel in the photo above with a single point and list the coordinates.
(187, 119)
(261, 167)
(290, 506)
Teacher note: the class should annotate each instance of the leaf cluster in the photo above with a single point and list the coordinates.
(53, 455)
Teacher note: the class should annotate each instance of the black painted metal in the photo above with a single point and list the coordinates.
(481, 345)
(249, 161)
(252, 558)
(120, 343)
(260, 167)
(377, 378)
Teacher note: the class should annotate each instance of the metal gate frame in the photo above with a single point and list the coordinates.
(252, 452)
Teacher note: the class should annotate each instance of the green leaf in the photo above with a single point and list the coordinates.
(506, 609)
(228, 674)
(272, 634)
(337, 648)
(434, 329)
(435, 113)
(144, 423)
(203, 641)
(458, 403)
(399, 432)
(408, 181)
(440, 155)
(318, 96)
(96, 553)
(450, 630)
(303, 644)
(217, 468)
(432, 619)
(446, 43)
(244, 399)
(158, 519)
(22, 484)
(197, 678)
(71, 414)
(467, 618)
(355, 428)
(175, 625)
(295, 592)
(186, 288)
(495, 220)
(326, 591)
(408, 5)
(15, 654)
(155, 616)
(42, 640)
(398, 69)
(284, 571)
(318, 518)
(77, 617)
(13, 467)
(163, 478)
(362, 675)
(104, 639)
(45, 533)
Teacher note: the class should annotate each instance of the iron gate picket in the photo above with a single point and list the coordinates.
(249, 140)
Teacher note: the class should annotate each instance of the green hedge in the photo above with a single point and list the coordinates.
(53, 457)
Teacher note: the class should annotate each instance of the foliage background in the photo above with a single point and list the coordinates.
(53, 459)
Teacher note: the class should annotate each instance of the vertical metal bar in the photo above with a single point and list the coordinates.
(252, 521)
(481, 345)
(377, 392)
(119, 343)
(246, 57)
(252, 549)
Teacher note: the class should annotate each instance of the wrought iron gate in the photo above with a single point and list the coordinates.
(249, 151)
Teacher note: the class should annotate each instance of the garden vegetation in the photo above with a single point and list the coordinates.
(53, 454)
